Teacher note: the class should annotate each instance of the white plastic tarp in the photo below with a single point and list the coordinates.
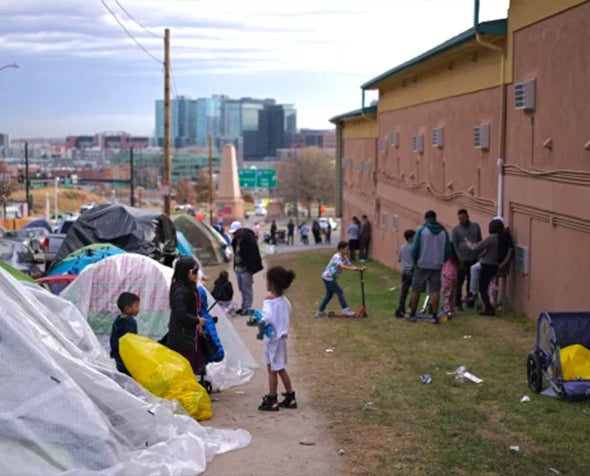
(95, 294)
(64, 410)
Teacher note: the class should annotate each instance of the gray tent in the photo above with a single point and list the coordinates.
(209, 248)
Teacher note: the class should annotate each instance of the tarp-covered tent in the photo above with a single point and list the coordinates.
(207, 247)
(95, 293)
(64, 409)
(134, 230)
(75, 262)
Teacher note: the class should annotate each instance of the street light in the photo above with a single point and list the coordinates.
(13, 65)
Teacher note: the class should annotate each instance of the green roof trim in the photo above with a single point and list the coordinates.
(369, 110)
(494, 28)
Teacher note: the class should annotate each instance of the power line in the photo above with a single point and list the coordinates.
(129, 34)
(136, 21)
(173, 83)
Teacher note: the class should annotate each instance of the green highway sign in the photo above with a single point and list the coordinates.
(247, 178)
(258, 178)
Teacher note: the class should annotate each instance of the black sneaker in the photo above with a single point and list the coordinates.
(412, 317)
(289, 400)
(400, 314)
(435, 319)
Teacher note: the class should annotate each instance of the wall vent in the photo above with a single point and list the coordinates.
(383, 146)
(438, 137)
(524, 95)
(481, 136)
(394, 139)
(521, 259)
(418, 143)
(384, 220)
(395, 221)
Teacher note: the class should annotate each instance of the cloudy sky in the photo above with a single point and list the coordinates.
(81, 73)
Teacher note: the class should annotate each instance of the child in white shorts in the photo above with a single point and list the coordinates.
(276, 313)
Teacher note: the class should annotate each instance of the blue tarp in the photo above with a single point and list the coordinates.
(77, 261)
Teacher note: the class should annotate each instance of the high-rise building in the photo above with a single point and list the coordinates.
(210, 118)
(183, 122)
(276, 124)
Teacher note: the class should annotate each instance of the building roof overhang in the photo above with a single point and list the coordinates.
(367, 111)
(490, 28)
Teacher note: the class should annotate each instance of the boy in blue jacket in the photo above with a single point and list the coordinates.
(430, 249)
(128, 304)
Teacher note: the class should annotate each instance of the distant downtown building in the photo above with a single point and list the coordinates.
(267, 125)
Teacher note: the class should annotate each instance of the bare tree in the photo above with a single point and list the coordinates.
(185, 192)
(310, 175)
(202, 185)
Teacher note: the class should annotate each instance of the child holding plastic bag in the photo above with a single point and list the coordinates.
(276, 313)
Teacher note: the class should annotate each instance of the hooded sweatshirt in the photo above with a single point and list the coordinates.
(432, 246)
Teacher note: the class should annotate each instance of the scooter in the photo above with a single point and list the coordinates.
(362, 312)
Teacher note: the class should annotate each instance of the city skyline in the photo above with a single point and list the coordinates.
(80, 73)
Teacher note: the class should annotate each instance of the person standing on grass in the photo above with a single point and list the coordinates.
(465, 231)
(430, 249)
(337, 264)
(405, 258)
(276, 312)
(353, 237)
(364, 238)
(128, 304)
(450, 271)
(291, 232)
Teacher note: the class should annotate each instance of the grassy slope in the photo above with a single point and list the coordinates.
(441, 428)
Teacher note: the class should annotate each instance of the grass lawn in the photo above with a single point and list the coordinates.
(444, 427)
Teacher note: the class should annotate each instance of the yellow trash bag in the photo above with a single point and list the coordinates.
(164, 373)
(575, 362)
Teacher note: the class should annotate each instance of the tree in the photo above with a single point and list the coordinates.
(202, 185)
(310, 175)
(7, 186)
(185, 192)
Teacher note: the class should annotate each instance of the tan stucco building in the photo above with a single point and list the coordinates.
(495, 120)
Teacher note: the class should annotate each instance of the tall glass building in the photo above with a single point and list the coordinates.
(183, 122)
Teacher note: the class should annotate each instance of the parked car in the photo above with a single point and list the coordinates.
(323, 221)
(260, 211)
(54, 240)
(19, 255)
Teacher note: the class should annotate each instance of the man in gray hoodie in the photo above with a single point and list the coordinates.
(431, 248)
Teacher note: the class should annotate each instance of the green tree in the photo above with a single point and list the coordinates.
(310, 175)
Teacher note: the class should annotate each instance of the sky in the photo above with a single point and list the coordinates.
(81, 73)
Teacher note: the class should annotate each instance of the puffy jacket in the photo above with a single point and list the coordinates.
(184, 310)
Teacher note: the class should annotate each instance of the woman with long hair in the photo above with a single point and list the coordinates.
(185, 324)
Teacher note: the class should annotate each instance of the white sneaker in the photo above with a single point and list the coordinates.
(348, 312)
(320, 314)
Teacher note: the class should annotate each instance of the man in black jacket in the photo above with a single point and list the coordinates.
(247, 263)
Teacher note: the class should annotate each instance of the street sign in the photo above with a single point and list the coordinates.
(258, 178)
(247, 178)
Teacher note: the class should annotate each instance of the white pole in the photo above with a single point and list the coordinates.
(47, 210)
(55, 208)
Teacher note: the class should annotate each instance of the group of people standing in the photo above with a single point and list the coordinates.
(359, 238)
(433, 260)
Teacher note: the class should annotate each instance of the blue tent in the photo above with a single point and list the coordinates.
(75, 262)
(183, 246)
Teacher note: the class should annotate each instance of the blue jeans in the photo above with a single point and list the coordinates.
(332, 288)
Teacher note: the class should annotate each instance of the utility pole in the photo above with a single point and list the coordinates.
(297, 188)
(132, 179)
(167, 160)
(210, 180)
(27, 181)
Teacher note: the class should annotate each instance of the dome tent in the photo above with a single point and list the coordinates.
(95, 292)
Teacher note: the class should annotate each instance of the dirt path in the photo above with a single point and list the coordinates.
(286, 443)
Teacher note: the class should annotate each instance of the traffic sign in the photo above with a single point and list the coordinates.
(258, 178)
(247, 178)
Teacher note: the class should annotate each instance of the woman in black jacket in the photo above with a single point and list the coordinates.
(185, 325)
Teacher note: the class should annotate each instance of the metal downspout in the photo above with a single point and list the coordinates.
(502, 134)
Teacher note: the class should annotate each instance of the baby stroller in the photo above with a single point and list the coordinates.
(555, 332)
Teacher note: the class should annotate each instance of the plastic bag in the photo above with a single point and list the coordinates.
(575, 362)
(165, 373)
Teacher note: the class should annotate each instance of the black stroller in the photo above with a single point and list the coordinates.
(555, 332)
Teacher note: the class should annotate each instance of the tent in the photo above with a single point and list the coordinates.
(206, 245)
(134, 230)
(75, 262)
(64, 409)
(95, 294)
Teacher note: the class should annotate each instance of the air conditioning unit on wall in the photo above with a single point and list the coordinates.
(394, 139)
(438, 137)
(481, 136)
(418, 143)
(524, 95)
(521, 259)
(383, 146)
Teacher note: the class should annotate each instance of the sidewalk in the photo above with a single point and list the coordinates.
(288, 442)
